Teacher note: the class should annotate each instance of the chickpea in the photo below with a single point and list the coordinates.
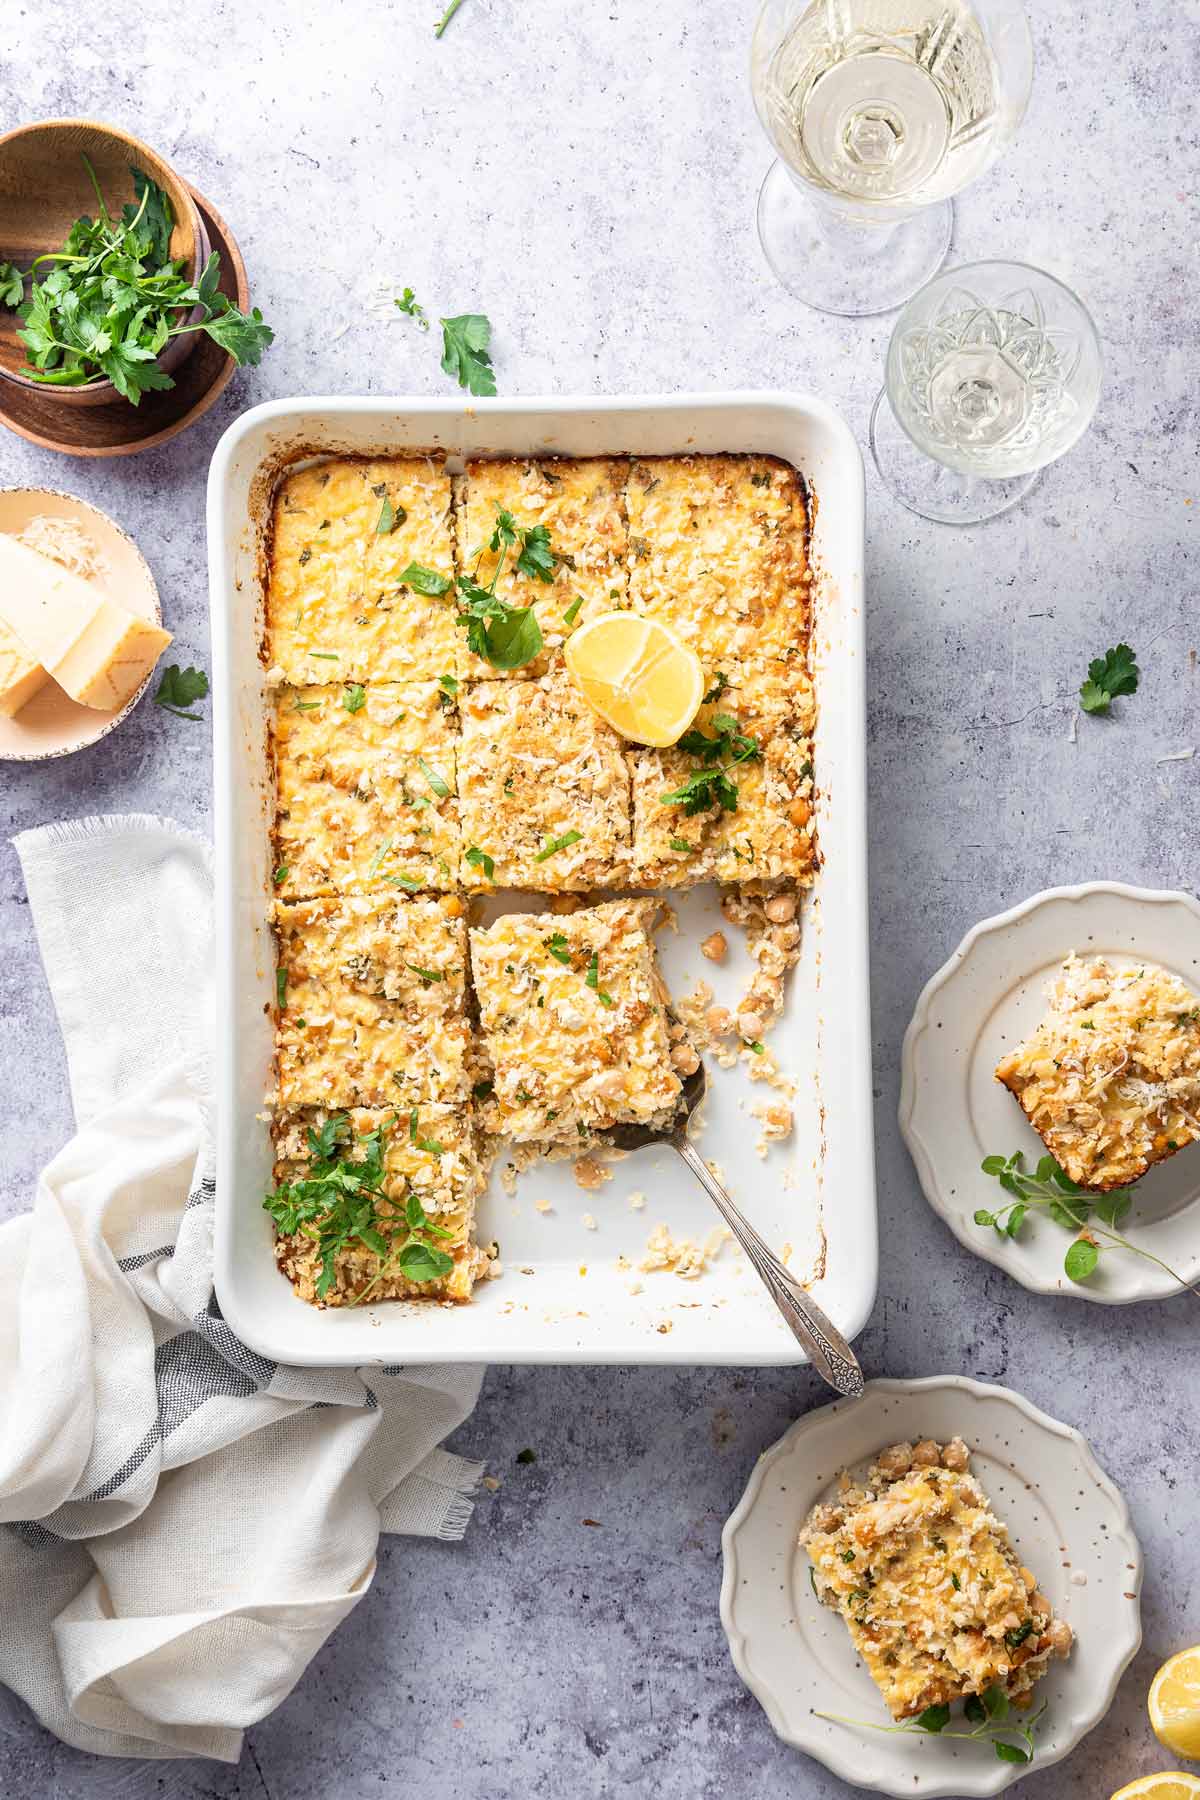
(714, 946)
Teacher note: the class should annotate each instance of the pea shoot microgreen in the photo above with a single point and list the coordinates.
(1093, 1217)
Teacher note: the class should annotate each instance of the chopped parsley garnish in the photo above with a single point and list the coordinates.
(556, 844)
(465, 341)
(1108, 676)
(408, 303)
(412, 882)
(325, 656)
(558, 948)
(179, 689)
(847, 1556)
(281, 874)
(592, 980)
(377, 861)
(306, 705)
(281, 987)
(448, 685)
(340, 1200)
(479, 859)
(354, 698)
(1014, 1639)
(436, 781)
(429, 1145)
(428, 976)
(572, 612)
(389, 517)
(717, 689)
(682, 845)
(423, 580)
(712, 785)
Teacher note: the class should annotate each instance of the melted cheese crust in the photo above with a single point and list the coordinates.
(1110, 1079)
(574, 1021)
(535, 764)
(579, 501)
(770, 835)
(447, 1184)
(374, 1007)
(366, 795)
(336, 608)
(927, 1582)
(717, 550)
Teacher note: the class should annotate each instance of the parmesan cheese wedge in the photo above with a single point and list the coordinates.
(21, 675)
(96, 649)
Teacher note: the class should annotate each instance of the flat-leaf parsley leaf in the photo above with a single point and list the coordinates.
(180, 688)
(1108, 676)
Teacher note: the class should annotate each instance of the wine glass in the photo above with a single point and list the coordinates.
(993, 371)
(880, 111)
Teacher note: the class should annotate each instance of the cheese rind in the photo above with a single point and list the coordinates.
(96, 649)
(21, 675)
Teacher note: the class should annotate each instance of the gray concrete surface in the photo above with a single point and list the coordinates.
(587, 175)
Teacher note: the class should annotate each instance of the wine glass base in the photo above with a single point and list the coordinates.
(928, 487)
(840, 267)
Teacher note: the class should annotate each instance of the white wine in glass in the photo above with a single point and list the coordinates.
(993, 371)
(880, 111)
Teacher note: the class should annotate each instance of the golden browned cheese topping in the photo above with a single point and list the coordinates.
(373, 1002)
(769, 833)
(337, 609)
(717, 550)
(1110, 1079)
(923, 1574)
(543, 787)
(364, 784)
(574, 1023)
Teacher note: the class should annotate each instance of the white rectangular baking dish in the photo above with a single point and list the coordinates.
(563, 1295)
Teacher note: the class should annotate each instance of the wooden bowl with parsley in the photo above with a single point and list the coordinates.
(102, 249)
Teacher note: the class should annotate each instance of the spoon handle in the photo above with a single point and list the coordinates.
(829, 1353)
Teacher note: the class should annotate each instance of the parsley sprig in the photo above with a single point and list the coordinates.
(465, 354)
(989, 1714)
(1093, 1217)
(108, 302)
(712, 784)
(179, 689)
(506, 636)
(340, 1200)
(1108, 676)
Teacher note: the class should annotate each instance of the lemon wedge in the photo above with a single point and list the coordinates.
(1169, 1785)
(637, 674)
(1175, 1706)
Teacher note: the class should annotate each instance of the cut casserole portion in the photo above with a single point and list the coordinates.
(333, 1258)
(343, 534)
(364, 789)
(573, 1016)
(372, 1002)
(578, 502)
(1110, 1079)
(755, 823)
(717, 549)
(543, 788)
(931, 1591)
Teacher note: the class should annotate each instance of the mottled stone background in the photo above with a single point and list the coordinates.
(586, 174)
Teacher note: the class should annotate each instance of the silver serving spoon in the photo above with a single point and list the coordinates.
(829, 1353)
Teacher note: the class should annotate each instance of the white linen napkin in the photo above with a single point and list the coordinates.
(184, 1522)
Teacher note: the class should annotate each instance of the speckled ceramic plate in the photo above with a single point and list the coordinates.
(1068, 1523)
(52, 724)
(953, 1111)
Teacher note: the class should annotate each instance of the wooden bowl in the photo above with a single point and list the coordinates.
(44, 188)
(119, 429)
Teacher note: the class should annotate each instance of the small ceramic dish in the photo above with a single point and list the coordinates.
(1068, 1523)
(953, 1111)
(44, 188)
(52, 724)
(118, 429)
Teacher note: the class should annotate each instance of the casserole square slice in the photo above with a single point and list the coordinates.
(1110, 1078)
(578, 503)
(543, 788)
(733, 801)
(333, 1257)
(344, 532)
(574, 1024)
(372, 1002)
(930, 1588)
(718, 549)
(365, 789)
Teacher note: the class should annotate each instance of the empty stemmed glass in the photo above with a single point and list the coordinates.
(993, 371)
(880, 110)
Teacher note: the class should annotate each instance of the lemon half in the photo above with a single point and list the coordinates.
(638, 675)
(1169, 1785)
(1175, 1706)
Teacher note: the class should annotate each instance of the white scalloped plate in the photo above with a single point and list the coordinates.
(1067, 1521)
(953, 1111)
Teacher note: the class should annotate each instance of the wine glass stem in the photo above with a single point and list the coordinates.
(852, 236)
